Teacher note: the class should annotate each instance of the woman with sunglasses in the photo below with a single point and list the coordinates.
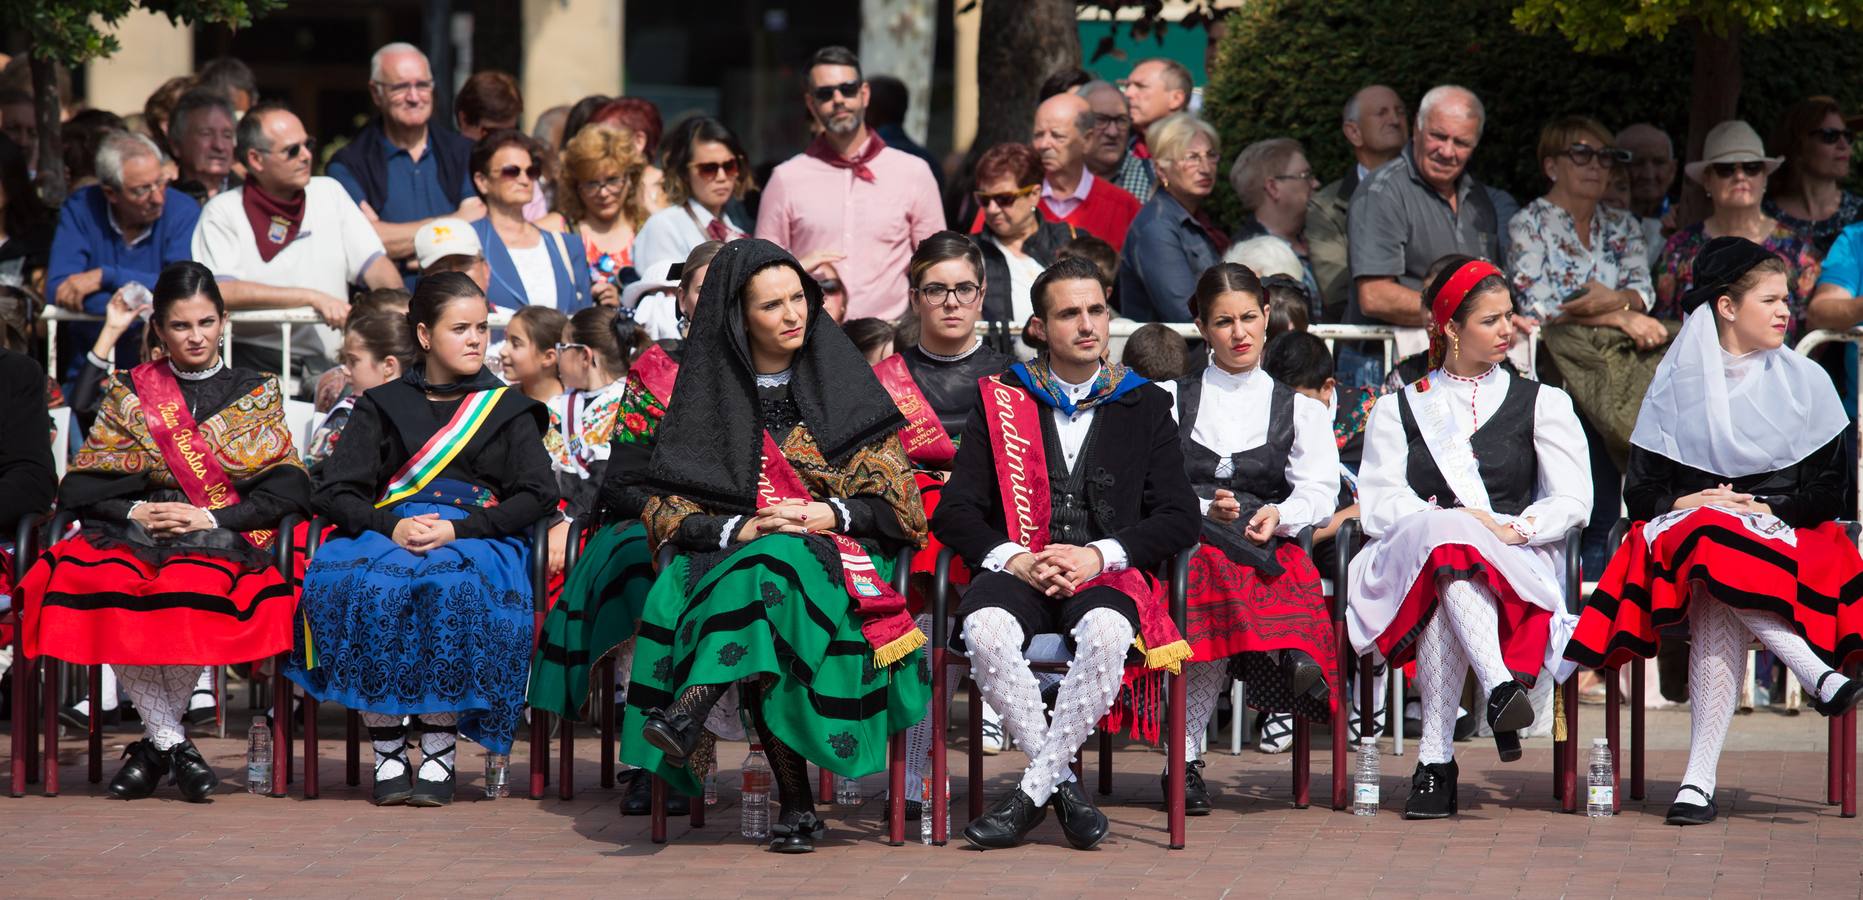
(529, 265)
(705, 171)
(1733, 169)
(602, 199)
(1016, 243)
(1806, 194)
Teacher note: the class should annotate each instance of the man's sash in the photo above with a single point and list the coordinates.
(440, 449)
(926, 443)
(1021, 461)
(199, 474)
(884, 622)
(657, 372)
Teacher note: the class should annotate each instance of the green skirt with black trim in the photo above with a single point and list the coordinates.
(597, 611)
(771, 611)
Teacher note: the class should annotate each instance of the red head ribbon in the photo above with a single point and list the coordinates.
(1457, 288)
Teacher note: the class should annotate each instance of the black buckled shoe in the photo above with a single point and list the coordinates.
(1007, 823)
(193, 775)
(392, 791)
(1305, 677)
(795, 832)
(1689, 813)
(1840, 702)
(430, 792)
(1196, 793)
(675, 736)
(139, 777)
(1509, 710)
(1081, 822)
(1432, 791)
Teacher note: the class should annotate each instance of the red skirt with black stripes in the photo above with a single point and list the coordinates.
(1811, 577)
(86, 604)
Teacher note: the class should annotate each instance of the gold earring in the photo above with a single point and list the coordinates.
(1455, 346)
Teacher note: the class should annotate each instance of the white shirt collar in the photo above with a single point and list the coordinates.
(1363, 172)
(147, 231)
(1080, 190)
(1215, 377)
(1077, 391)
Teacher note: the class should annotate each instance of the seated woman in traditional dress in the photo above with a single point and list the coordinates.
(781, 479)
(423, 606)
(1737, 469)
(185, 474)
(1470, 481)
(1262, 459)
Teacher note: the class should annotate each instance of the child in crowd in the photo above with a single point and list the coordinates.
(529, 357)
(377, 348)
(1287, 304)
(1157, 352)
(592, 358)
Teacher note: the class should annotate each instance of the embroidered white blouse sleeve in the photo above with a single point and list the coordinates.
(1563, 487)
(1312, 469)
(1384, 493)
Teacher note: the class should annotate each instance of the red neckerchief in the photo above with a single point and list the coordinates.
(824, 151)
(274, 222)
(1139, 149)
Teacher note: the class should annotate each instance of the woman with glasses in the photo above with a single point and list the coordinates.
(529, 265)
(1017, 245)
(705, 171)
(601, 199)
(1733, 169)
(1173, 240)
(1806, 194)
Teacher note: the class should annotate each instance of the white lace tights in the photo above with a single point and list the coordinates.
(1464, 630)
(161, 696)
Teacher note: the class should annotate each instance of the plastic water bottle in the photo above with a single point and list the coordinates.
(755, 794)
(846, 791)
(925, 809)
(1600, 783)
(497, 775)
(1365, 780)
(258, 757)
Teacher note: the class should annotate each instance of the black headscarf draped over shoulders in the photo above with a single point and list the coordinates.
(709, 447)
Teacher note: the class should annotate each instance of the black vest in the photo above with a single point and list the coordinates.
(1078, 514)
(1259, 474)
(1503, 448)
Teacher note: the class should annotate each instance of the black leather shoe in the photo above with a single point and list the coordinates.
(1432, 791)
(1689, 813)
(138, 778)
(1304, 675)
(1007, 823)
(432, 791)
(392, 791)
(1509, 710)
(1196, 793)
(638, 801)
(795, 832)
(675, 736)
(1081, 822)
(193, 775)
(1840, 702)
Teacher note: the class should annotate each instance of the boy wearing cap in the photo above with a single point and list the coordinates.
(448, 244)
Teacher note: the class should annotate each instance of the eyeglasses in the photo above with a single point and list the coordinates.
(1833, 135)
(1103, 122)
(560, 347)
(711, 170)
(966, 293)
(510, 173)
(143, 192)
(405, 87)
(1752, 168)
(1198, 159)
(618, 183)
(1297, 176)
(827, 92)
(1004, 200)
(1585, 155)
(308, 147)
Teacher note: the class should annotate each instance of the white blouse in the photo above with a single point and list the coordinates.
(1562, 490)
(1232, 417)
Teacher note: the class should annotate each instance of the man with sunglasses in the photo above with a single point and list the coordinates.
(400, 168)
(850, 194)
(284, 240)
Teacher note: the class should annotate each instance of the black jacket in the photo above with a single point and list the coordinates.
(1041, 247)
(1147, 501)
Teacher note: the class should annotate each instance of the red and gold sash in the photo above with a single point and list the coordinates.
(884, 621)
(926, 443)
(1022, 476)
(656, 371)
(190, 460)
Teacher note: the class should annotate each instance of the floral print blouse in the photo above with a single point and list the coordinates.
(1822, 233)
(1546, 261)
(1675, 274)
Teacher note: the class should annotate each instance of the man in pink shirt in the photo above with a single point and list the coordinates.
(849, 195)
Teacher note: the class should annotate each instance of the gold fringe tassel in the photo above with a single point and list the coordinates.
(1170, 656)
(899, 648)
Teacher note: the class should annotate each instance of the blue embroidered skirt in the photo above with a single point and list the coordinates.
(400, 633)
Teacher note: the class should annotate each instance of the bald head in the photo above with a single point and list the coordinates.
(1375, 125)
(1652, 167)
(1062, 124)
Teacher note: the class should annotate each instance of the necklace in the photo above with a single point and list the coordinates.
(939, 357)
(774, 379)
(199, 375)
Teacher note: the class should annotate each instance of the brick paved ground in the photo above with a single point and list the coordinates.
(1776, 838)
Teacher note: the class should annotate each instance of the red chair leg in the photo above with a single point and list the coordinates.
(1340, 713)
(824, 787)
(95, 725)
(1613, 699)
(1106, 762)
(895, 788)
(352, 748)
(976, 752)
(940, 766)
(658, 818)
(698, 812)
(49, 717)
(1303, 762)
(539, 752)
(22, 714)
(1174, 765)
(32, 719)
(1637, 700)
(566, 762)
(1850, 757)
(1568, 752)
(281, 727)
(606, 697)
(311, 755)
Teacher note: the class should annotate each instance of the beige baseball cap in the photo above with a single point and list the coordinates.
(445, 237)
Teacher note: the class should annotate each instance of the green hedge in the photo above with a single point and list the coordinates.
(1286, 67)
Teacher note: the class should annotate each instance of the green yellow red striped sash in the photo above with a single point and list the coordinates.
(442, 447)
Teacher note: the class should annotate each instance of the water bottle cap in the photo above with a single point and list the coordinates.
(1600, 742)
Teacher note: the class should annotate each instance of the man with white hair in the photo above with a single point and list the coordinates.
(1420, 207)
(1070, 193)
(121, 230)
(1375, 124)
(401, 169)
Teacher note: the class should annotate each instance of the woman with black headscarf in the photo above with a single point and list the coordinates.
(1737, 471)
(780, 478)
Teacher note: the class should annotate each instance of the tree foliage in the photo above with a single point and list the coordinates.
(1595, 26)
